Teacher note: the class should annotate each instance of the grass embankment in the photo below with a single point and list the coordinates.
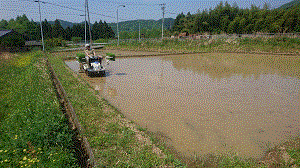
(247, 45)
(33, 130)
(116, 142)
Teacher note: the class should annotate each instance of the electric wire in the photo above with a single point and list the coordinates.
(130, 6)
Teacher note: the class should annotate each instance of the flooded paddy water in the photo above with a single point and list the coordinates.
(208, 103)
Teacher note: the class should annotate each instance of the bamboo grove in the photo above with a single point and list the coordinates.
(226, 18)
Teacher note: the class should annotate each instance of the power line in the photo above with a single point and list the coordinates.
(128, 3)
(71, 8)
(94, 13)
(82, 10)
(17, 10)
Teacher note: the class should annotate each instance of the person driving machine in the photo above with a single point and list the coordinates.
(91, 53)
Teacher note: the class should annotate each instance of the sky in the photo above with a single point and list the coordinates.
(106, 10)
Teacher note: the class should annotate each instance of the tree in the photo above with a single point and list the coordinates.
(178, 23)
(3, 24)
(107, 32)
(68, 33)
(78, 31)
(57, 30)
(47, 29)
(111, 33)
(96, 31)
(32, 31)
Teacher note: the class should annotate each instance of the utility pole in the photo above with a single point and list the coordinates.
(84, 28)
(162, 26)
(118, 21)
(139, 32)
(85, 23)
(41, 24)
(87, 8)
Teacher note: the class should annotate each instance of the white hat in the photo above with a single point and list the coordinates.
(87, 45)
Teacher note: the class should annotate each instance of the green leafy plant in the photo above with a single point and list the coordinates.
(76, 40)
(111, 56)
(80, 57)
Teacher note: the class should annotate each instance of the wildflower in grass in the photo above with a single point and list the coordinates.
(1, 151)
(16, 136)
(5, 160)
(24, 158)
(5, 151)
(24, 150)
(39, 149)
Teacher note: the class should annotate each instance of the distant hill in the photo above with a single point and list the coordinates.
(133, 25)
(64, 24)
(290, 4)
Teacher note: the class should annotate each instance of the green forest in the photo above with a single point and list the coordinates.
(31, 29)
(226, 18)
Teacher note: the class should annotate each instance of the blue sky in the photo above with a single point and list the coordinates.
(106, 9)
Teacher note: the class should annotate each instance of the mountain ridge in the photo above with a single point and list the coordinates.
(290, 4)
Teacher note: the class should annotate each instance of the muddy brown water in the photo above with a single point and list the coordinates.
(208, 103)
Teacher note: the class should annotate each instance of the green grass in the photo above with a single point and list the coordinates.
(33, 130)
(295, 154)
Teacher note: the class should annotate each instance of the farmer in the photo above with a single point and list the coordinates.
(91, 53)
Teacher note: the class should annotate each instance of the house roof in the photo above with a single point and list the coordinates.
(3, 32)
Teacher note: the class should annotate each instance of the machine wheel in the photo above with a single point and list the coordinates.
(88, 73)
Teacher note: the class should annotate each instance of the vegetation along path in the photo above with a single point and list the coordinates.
(33, 130)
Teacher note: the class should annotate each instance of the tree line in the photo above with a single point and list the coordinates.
(31, 29)
(226, 18)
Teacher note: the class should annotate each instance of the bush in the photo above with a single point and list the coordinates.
(80, 57)
(51, 43)
(12, 41)
(101, 41)
(113, 56)
(76, 40)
